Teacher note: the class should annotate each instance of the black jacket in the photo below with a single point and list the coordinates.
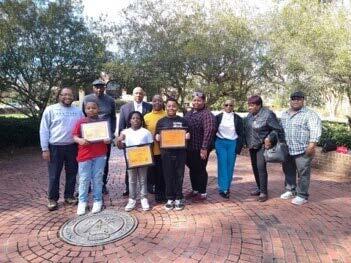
(239, 128)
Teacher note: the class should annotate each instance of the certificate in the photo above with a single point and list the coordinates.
(172, 138)
(138, 156)
(96, 131)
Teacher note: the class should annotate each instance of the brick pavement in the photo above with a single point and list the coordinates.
(235, 230)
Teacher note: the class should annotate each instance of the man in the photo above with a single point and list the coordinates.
(107, 111)
(58, 147)
(303, 129)
(155, 175)
(136, 105)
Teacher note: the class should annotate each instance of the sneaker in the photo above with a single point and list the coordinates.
(96, 207)
(255, 192)
(287, 195)
(178, 205)
(71, 201)
(299, 200)
(131, 205)
(200, 198)
(145, 204)
(191, 194)
(262, 197)
(52, 205)
(169, 205)
(82, 206)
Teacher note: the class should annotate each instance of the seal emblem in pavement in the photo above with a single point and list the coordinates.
(98, 229)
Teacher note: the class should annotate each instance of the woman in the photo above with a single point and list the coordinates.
(260, 123)
(228, 144)
(202, 129)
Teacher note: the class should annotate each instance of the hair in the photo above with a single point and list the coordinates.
(172, 99)
(199, 94)
(91, 99)
(255, 99)
(130, 117)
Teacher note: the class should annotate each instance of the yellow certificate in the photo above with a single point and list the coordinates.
(95, 131)
(138, 156)
(173, 138)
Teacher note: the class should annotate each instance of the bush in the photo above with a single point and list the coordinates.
(18, 132)
(339, 133)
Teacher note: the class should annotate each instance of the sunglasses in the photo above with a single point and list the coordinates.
(228, 105)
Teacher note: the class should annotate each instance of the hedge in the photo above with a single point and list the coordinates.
(339, 133)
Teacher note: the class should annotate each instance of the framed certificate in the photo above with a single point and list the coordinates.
(96, 131)
(172, 138)
(138, 156)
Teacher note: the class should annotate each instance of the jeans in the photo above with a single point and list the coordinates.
(300, 164)
(173, 162)
(91, 171)
(197, 170)
(226, 156)
(259, 169)
(135, 175)
(62, 155)
(106, 164)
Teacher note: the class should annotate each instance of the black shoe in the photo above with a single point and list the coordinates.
(104, 190)
(224, 194)
(52, 205)
(262, 198)
(126, 193)
(255, 193)
(71, 201)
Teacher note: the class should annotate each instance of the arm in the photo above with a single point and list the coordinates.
(276, 130)
(44, 133)
(239, 127)
(314, 124)
(113, 117)
(121, 122)
(209, 128)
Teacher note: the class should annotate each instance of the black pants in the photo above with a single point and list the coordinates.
(259, 169)
(197, 170)
(62, 155)
(173, 164)
(155, 176)
(104, 178)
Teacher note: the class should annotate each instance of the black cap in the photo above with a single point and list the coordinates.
(98, 82)
(297, 94)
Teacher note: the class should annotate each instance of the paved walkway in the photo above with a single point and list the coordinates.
(235, 230)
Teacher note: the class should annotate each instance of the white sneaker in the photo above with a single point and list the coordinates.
(287, 195)
(144, 204)
(96, 207)
(82, 206)
(169, 205)
(131, 205)
(299, 200)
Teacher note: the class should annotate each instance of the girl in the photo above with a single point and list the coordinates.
(91, 161)
(136, 135)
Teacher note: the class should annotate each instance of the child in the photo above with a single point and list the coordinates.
(91, 161)
(136, 135)
(173, 160)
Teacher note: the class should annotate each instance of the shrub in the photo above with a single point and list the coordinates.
(18, 132)
(337, 132)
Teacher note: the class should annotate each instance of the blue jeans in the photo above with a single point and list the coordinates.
(91, 171)
(226, 156)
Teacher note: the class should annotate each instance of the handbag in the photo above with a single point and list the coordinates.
(277, 154)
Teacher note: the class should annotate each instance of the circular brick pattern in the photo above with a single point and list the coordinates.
(236, 230)
(98, 229)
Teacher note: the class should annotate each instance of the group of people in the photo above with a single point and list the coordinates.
(140, 123)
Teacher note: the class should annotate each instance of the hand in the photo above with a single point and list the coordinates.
(203, 154)
(187, 136)
(311, 149)
(267, 143)
(157, 137)
(46, 155)
(83, 142)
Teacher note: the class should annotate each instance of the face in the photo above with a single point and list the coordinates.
(228, 106)
(99, 90)
(66, 97)
(198, 103)
(91, 109)
(254, 108)
(171, 108)
(138, 94)
(296, 103)
(135, 121)
(157, 103)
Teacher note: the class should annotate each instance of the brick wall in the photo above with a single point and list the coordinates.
(333, 163)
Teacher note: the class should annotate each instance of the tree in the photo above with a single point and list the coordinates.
(44, 45)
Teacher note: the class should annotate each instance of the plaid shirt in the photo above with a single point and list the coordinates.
(300, 129)
(202, 128)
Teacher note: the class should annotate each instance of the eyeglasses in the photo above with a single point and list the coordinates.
(66, 95)
(228, 105)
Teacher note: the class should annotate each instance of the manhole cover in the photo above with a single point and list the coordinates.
(98, 229)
